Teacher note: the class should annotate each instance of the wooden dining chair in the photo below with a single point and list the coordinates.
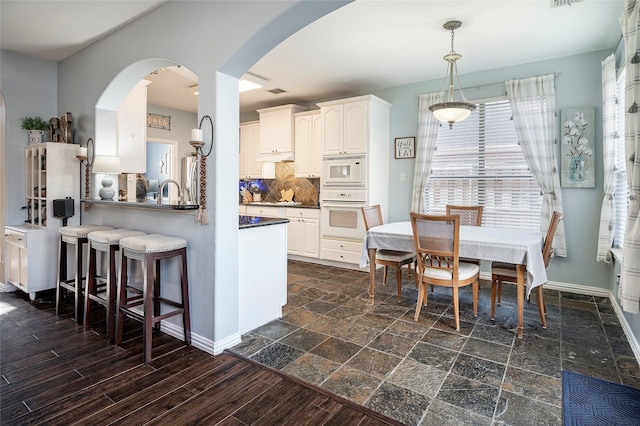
(469, 215)
(373, 217)
(437, 241)
(501, 272)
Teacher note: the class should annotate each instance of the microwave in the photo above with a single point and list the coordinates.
(344, 171)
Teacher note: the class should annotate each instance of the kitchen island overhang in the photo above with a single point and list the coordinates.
(262, 271)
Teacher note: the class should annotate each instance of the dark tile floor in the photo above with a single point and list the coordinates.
(425, 372)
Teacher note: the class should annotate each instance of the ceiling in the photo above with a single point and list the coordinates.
(361, 47)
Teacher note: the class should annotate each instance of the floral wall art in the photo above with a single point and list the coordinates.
(577, 152)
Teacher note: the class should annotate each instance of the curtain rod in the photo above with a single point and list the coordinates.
(478, 86)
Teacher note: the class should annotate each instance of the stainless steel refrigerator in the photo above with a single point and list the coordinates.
(190, 178)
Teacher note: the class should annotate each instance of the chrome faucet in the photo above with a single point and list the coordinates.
(161, 189)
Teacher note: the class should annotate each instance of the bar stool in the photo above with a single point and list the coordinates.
(103, 289)
(77, 236)
(151, 249)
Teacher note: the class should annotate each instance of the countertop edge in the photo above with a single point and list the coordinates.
(142, 205)
(259, 221)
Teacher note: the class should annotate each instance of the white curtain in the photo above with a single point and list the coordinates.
(428, 127)
(533, 105)
(608, 210)
(629, 293)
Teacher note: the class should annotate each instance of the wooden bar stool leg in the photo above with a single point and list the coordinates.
(184, 282)
(62, 271)
(78, 299)
(122, 298)
(111, 292)
(156, 292)
(149, 291)
(91, 283)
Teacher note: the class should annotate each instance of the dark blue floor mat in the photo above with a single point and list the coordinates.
(590, 401)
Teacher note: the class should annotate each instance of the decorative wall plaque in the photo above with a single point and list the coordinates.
(159, 121)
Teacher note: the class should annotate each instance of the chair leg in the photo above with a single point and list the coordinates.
(399, 282)
(409, 270)
(541, 307)
(112, 284)
(156, 293)
(149, 290)
(456, 307)
(494, 285)
(476, 289)
(91, 284)
(78, 296)
(62, 272)
(384, 274)
(184, 281)
(421, 295)
(499, 291)
(122, 298)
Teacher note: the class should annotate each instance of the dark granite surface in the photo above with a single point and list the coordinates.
(254, 221)
(145, 204)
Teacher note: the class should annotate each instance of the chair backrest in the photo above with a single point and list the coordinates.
(436, 239)
(547, 250)
(372, 216)
(469, 215)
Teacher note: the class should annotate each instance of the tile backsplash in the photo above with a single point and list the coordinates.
(305, 190)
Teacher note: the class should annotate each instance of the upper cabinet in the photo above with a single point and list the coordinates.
(277, 129)
(308, 144)
(250, 167)
(132, 130)
(346, 126)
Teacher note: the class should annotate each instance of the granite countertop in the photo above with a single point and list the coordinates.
(254, 221)
(144, 204)
(281, 204)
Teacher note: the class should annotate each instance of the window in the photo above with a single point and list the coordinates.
(479, 162)
(621, 199)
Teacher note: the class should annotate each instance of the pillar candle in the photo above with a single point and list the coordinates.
(196, 135)
(82, 151)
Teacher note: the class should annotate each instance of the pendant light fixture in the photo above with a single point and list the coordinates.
(451, 111)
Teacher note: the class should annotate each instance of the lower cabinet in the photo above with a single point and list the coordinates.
(348, 251)
(303, 232)
(31, 266)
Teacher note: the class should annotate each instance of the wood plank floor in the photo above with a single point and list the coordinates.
(55, 372)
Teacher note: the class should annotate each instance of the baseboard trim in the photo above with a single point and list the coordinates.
(635, 345)
(200, 342)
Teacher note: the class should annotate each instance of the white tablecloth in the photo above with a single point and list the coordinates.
(518, 246)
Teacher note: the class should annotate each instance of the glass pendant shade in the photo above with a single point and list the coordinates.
(451, 111)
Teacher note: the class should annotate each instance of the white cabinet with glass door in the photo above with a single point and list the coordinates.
(308, 144)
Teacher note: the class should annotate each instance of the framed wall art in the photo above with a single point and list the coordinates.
(577, 154)
(406, 147)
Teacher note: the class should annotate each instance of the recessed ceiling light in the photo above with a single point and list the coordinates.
(251, 82)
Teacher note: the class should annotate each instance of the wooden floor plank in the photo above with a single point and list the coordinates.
(59, 373)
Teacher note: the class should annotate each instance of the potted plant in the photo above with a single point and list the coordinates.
(36, 127)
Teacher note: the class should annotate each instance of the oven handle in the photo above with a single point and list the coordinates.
(344, 204)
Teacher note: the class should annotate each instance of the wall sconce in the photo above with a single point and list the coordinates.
(197, 141)
(85, 155)
(106, 164)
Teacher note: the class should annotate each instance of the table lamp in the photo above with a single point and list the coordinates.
(106, 164)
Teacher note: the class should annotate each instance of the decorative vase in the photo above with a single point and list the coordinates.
(35, 136)
(576, 169)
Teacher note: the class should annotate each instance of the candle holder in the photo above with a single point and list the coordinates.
(86, 158)
(197, 141)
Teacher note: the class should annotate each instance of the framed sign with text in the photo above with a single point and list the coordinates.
(159, 121)
(406, 147)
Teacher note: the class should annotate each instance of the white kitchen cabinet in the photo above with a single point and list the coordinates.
(308, 144)
(303, 234)
(345, 126)
(242, 210)
(132, 130)
(277, 128)
(52, 171)
(31, 259)
(250, 166)
(257, 210)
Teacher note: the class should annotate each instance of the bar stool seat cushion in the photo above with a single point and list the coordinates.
(152, 243)
(113, 236)
(81, 231)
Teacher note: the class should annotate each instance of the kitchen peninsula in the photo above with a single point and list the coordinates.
(262, 271)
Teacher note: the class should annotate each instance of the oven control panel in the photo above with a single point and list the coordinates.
(344, 195)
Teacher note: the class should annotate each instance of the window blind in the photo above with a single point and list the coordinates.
(479, 162)
(621, 199)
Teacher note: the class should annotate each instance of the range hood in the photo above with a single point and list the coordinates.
(276, 157)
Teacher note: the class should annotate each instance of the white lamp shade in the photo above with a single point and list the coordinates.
(106, 164)
(452, 112)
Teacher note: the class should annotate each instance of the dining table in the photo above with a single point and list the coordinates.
(522, 247)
